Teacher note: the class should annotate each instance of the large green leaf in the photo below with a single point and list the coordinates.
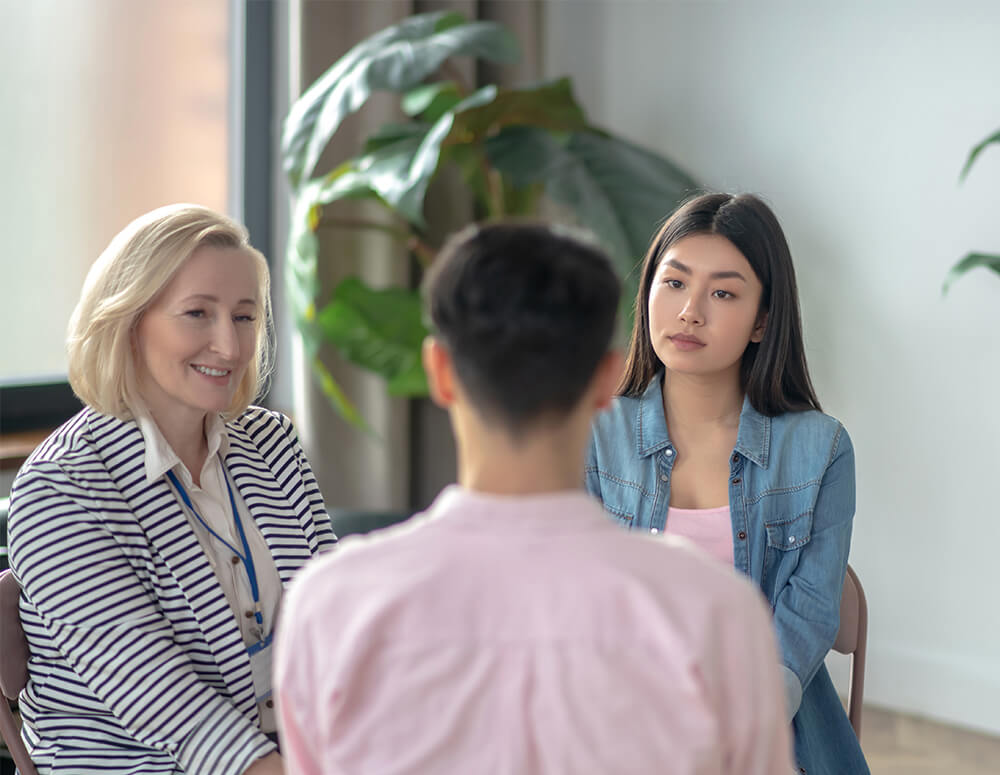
(430, 101)
(548, 105)
(399, 172)
(971, 261)
(618, 190)
(390, 133)
(395, 59)
(379, 330)
(974, 153)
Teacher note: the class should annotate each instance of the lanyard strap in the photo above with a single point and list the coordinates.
(245, 556)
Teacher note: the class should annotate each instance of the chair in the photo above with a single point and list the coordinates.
(852, 639)
(13, 670)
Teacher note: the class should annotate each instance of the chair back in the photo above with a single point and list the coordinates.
(852, 638)
(13, 670)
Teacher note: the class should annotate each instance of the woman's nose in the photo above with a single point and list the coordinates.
(691, 313)
(225, 340)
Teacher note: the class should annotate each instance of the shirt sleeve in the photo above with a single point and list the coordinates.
(323, 528)
(295, 690)
(751, 702)
(78, 575)
(807, 609)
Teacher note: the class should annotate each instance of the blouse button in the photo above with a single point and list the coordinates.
(664, 478)
(269, 703)
(742, 535)
(668, 452)
(235, 560)
(736, 480)
(248, 614)
(791, 539)
(654, 530)
(736, 458)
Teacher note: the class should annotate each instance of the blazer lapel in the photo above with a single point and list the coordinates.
(270, 502)
(162, 519)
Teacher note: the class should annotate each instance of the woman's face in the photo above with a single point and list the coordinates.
(703, 306)
(194, 342)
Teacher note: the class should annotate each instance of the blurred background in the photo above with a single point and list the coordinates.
(852, 119)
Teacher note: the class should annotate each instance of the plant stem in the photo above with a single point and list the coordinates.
(494, 189)
(425, 253)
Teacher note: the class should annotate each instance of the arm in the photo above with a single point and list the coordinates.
(86, 582)
(325, 536)
(269, 765)
(807, 609)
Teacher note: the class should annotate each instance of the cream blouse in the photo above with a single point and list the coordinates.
(211, 500)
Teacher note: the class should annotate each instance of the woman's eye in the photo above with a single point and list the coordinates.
(671, 283)
(722, 295)
(195, 313)
(244, 318)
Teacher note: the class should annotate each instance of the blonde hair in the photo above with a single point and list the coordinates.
(131, 272)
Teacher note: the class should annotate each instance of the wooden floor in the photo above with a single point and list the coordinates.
(895, 744)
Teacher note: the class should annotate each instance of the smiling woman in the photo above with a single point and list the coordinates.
(153, 533)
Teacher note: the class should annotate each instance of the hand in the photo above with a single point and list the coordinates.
(269, 765)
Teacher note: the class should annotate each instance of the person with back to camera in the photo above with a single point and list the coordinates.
(487, 634)
(717, 436)
(152, 534)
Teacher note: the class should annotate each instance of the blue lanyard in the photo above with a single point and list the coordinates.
(246, 556)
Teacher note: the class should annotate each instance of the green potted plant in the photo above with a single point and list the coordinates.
(973, 260)
(516, 150)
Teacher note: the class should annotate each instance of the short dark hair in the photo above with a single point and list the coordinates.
(773, 372)
(526, 312)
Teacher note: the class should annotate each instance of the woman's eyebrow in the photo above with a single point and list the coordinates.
(715, 275)
(210, 297)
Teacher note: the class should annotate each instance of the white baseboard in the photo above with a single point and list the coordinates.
(964, 694)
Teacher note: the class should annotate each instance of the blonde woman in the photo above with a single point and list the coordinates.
(153, 533)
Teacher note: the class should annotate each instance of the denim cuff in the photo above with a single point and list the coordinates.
(793, 691)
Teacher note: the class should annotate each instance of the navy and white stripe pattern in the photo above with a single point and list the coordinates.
(137, 664)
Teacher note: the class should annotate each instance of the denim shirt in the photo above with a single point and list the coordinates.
(791, 497)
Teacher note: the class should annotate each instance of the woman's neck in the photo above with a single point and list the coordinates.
(696, 401)
(186, 437)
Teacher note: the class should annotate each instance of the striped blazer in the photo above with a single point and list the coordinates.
(137, 664)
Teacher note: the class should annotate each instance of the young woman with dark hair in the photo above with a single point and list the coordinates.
(717, 436)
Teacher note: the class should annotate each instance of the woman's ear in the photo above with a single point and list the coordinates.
(758, 330)
(440, 372)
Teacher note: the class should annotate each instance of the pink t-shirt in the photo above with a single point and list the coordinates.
(526, 635)
(709, 529)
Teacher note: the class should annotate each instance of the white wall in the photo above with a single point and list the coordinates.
(853, 119)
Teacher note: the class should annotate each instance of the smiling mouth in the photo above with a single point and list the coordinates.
(210, 372)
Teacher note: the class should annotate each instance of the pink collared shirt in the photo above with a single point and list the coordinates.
(525, 635)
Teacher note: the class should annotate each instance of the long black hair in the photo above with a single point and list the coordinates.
(773, 372)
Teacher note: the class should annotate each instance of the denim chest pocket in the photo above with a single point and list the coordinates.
(784, 536)
(622, 499)
(790, 533)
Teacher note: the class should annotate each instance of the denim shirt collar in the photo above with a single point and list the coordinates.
(753, 440)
